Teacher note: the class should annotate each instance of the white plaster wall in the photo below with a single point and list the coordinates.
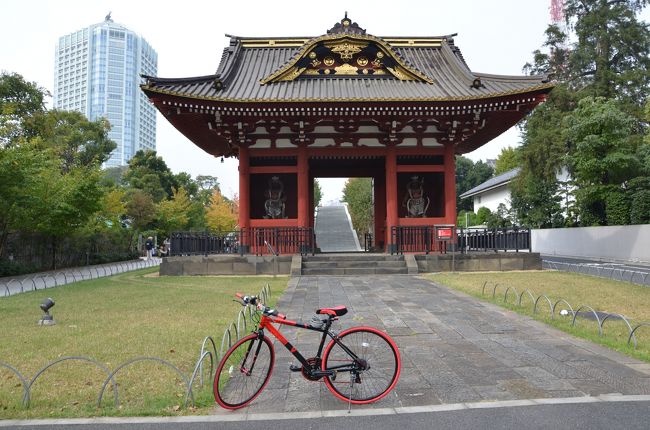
(624, 243)
(492, 198)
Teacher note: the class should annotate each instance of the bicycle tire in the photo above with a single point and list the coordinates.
(381, 354)
(234, 388)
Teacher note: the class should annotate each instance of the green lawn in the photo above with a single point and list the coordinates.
(629, 300)
(112, 320)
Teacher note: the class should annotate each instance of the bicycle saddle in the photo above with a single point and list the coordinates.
(335, 311)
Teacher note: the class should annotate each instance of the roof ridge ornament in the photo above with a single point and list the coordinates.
(346, 26)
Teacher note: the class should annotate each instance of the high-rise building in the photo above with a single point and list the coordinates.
(97, 72)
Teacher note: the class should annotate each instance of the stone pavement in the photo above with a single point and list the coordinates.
(454, 349)
(333, 230)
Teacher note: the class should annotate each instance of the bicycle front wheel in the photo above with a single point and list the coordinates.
(243, 372)
(368, 377)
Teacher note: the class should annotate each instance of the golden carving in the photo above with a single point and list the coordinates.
(346, 23)
(315, 63)
(380, 54)
(376, 62)
(328, 61)
(362, 61)
(327, 71)
(312, 54)
(365, 71)
(346, 69)
(346, 49)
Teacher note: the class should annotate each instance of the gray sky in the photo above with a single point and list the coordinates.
(496, 36)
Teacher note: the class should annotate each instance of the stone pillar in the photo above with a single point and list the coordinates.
(392, 219)
(450, 185)
(244, 198)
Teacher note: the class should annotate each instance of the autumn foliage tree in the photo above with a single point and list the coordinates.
(221, 214)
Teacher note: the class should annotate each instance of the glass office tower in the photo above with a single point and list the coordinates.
(97, 72)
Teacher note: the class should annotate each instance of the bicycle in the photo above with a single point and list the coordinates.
(359, 365)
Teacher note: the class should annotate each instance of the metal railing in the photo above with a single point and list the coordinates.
(284, 240)
(496, 239)
(204, 243)
(255, 240)
(367, 242)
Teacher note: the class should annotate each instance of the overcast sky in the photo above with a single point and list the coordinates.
(496, 36)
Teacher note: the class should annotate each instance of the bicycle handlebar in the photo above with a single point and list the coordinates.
(254, 301)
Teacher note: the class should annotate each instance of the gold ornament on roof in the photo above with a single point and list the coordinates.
(346, 49)
(346, 69)
(362, 61)
(312, 54)
(328, 61)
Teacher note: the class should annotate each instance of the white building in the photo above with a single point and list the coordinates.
(97, 72)
(492, 192)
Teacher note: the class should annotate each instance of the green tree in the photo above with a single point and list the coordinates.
(140, 209)
(508, 159)
(19, 100)
(357, 193)
(149, 172)
(318, 193)
(468, 176)
(606, 158)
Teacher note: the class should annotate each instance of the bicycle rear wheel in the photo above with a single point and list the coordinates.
(369, 378)
(243, 372)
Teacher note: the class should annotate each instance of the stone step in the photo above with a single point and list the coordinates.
(353, 257)
(331, 271)
(351, 263)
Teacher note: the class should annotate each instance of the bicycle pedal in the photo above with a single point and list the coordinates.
(295, 368)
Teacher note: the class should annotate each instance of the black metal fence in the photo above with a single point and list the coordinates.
(496, 239)
(204, 243)
(424, 239)
(282, 240)
(256, 240)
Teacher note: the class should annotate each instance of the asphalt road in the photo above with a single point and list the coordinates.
(601, 415)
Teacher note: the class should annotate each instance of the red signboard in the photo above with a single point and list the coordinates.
(444, 232)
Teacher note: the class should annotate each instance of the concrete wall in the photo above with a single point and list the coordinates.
(624, 243)
(479, 262)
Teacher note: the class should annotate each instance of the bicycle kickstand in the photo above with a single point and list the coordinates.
(350, 394)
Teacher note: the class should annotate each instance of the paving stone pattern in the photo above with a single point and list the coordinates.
(454, 348)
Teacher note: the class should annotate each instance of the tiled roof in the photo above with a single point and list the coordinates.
(492, 183)
(245, 63)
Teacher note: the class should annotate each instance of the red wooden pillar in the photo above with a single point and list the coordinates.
(392, 219)
(303, 187)
(244, 197)
(450, 185)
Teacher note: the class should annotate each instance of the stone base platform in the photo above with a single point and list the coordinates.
(226, 265)
(293, 265)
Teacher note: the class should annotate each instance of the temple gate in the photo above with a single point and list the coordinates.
(345, 104)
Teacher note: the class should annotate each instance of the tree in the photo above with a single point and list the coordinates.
(149, 173)
(609, 58)
(604, 159)
(468, 176)
(172, 214)
(140, 209)
(357, 193)
(318, 193)
(508, 159)
(74, 140)
(19, 100)
(221, 215)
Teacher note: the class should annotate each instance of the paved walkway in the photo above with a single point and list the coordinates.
(454, 349)
(334, 231)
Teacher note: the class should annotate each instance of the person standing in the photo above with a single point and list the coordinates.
(148, 244)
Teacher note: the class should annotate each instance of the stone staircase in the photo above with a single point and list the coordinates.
(353, 264)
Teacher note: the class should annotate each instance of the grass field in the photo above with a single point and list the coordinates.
(603, 295)
(113, 320)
